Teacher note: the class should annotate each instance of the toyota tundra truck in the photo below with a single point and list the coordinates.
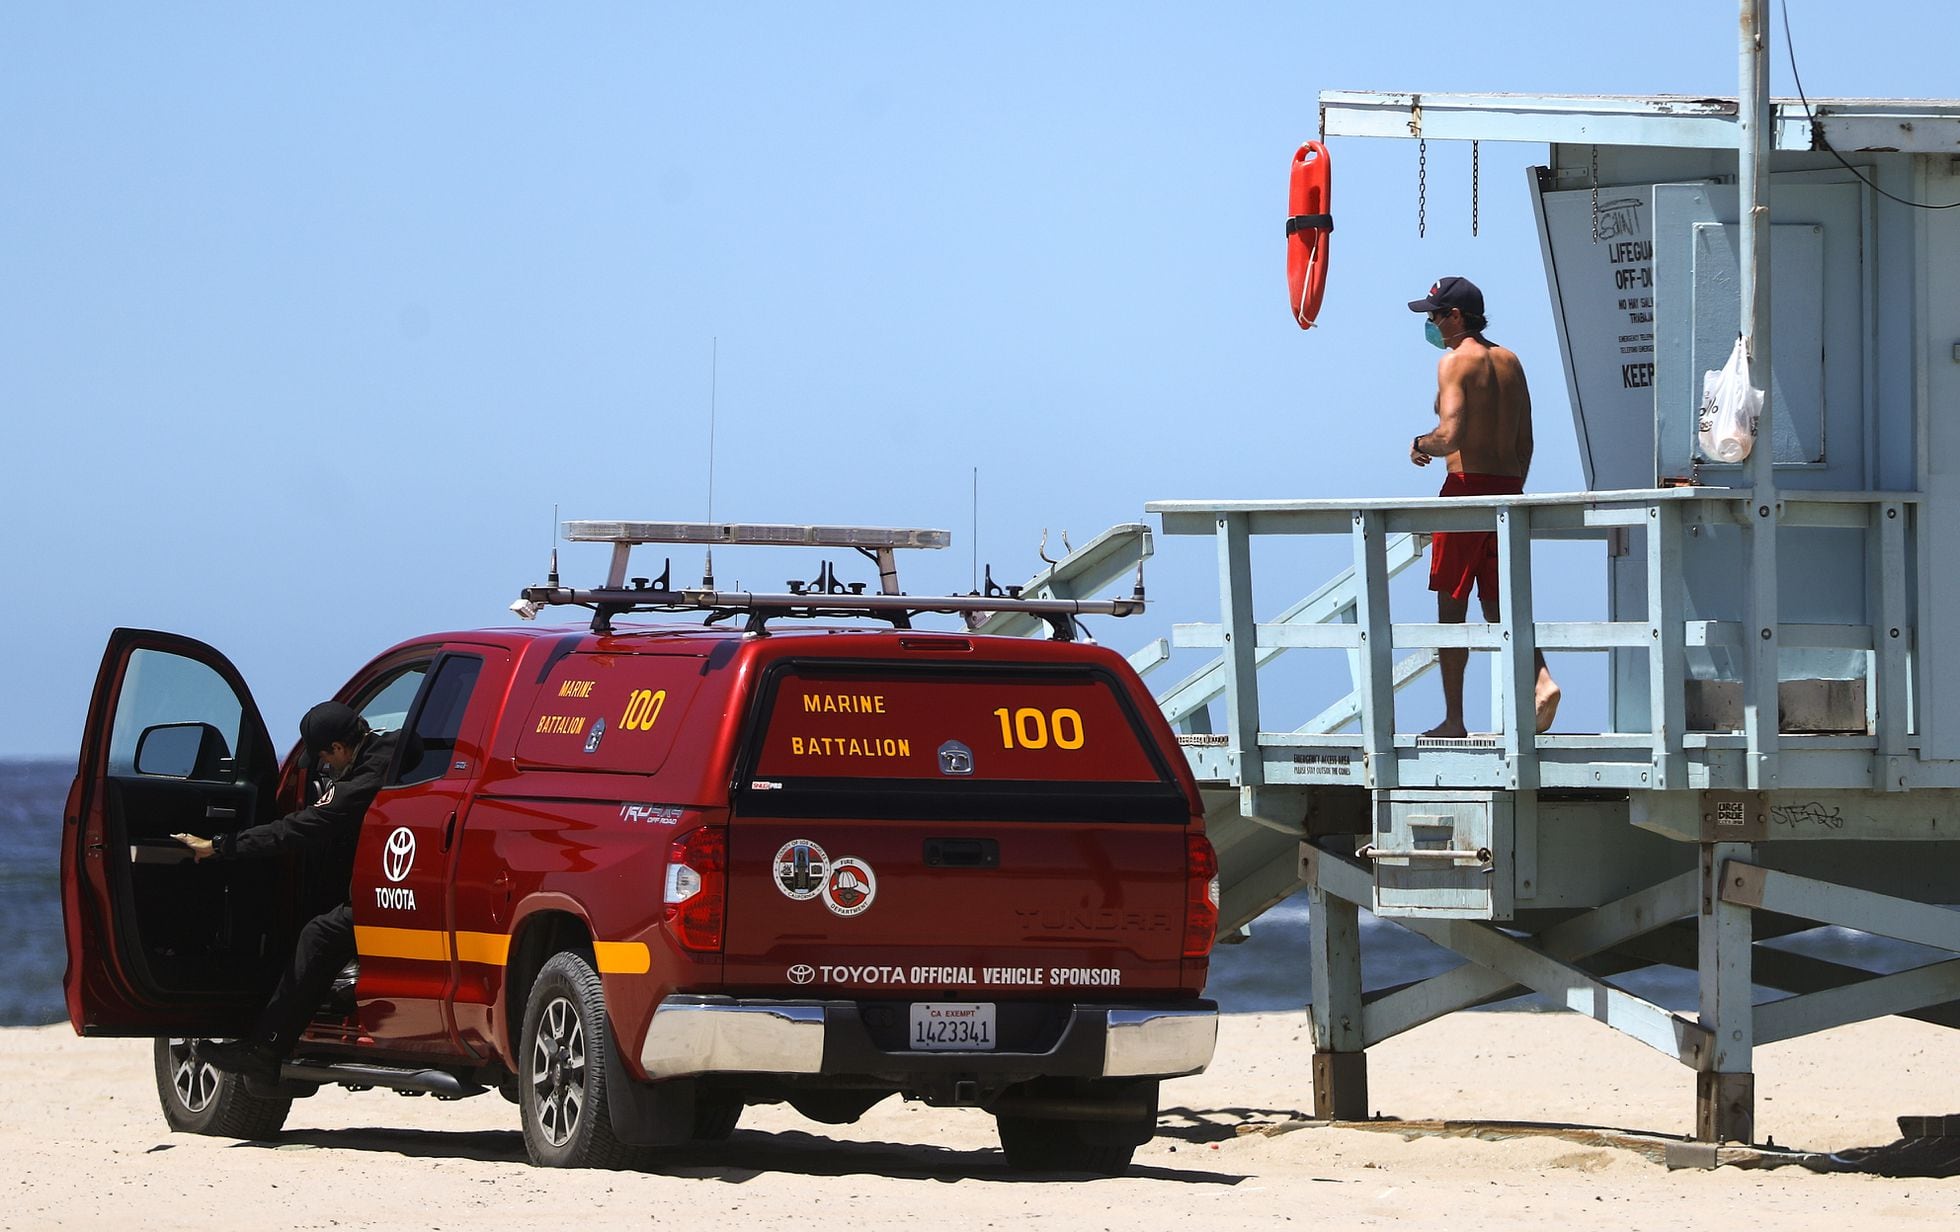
(637, 876)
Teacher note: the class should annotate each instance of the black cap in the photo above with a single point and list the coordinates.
(1451, 292)
(327, 724)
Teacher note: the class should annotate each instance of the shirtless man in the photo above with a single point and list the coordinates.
(1483, 428)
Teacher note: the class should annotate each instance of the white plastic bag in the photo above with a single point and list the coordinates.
(1731, 405)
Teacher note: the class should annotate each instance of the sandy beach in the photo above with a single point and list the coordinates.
(86, 1145)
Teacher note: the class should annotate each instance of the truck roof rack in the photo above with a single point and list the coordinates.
(823, 596)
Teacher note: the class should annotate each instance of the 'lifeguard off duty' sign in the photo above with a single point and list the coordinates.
(1604, 291)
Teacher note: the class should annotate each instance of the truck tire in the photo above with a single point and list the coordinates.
(564, 1074)
(198, 1099)
(1040, 1145)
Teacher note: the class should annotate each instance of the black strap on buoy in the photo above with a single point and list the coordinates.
(1308, 222)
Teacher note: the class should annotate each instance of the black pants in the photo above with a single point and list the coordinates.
(325, 945)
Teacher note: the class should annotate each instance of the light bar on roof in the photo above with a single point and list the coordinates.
(757, 533)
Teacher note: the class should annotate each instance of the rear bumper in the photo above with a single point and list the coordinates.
(696, 1035)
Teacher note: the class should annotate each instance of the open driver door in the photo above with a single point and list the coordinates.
(159, 944)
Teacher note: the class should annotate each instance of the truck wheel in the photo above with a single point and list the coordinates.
(1040, 1145)
(715, 1116)
(564, 1077)
(198, 1099)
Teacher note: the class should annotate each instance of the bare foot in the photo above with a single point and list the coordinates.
(1447, 730)
(1547, 697)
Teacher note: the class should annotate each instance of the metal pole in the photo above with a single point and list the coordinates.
(1725, 1092)
(1761, 719)
(1752, 179)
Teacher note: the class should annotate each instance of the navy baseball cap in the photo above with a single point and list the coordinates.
(1451, 292)
(327, 724)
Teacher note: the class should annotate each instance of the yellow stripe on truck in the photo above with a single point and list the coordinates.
(425, 943)
(622, 957)
(492, 949)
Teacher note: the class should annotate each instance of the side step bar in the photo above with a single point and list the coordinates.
(355, 1074)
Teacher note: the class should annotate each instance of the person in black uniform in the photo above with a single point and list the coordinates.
(327, 832)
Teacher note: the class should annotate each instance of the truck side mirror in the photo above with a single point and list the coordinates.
(183, 751)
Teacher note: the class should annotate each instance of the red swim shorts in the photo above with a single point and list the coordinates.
(1460, 560)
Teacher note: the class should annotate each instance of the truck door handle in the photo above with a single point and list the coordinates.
(219, 812)
(962, 853)
(449, 830)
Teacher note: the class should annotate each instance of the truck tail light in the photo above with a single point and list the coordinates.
(1200, 896)
(697, 888)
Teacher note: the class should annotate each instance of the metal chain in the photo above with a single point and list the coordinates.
(1473, 190)
(1422, 188)
(1595, 193)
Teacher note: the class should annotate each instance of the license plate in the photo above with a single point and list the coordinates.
(959, 1026)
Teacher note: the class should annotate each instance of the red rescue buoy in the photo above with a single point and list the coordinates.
(1309, 226)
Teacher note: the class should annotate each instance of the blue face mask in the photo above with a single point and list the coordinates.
(1435, 335)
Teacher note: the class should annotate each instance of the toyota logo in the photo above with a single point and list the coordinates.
(398, 856)
(802, 973)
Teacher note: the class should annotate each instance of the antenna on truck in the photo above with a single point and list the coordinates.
(714, 385)
(524, 608)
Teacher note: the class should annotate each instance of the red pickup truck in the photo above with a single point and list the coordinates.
(636, 878)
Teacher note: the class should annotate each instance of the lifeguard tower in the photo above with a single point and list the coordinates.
(1780, 751)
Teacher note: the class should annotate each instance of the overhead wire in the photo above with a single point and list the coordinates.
(1817, 133)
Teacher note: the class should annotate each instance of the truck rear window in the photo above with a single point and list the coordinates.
(987, 741)
(609, 712)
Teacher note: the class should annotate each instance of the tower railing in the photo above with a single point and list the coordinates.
(1353, 614)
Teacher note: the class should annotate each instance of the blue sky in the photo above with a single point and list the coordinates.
(310, 315)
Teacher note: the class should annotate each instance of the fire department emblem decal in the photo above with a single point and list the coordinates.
(850, 887)
(801, 867)
(398, 855)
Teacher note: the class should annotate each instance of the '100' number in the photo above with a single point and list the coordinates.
(642, 709)
(1029, 728)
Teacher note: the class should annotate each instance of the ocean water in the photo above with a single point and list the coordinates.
(1266, 972)
(32, 951)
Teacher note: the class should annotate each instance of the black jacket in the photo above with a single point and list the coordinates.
(326, 831)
